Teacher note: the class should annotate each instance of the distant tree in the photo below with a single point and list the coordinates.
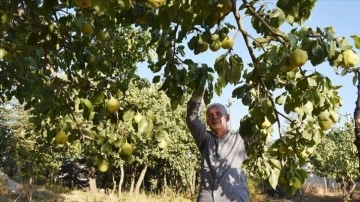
(336, 158)
(62, 58)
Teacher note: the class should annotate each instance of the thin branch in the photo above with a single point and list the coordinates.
(51, 68)
(279, 37)
(244, 33)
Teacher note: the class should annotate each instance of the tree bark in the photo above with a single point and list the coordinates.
(193, 181)
(121, 181)
(132, 182)
(139, 181)
(92, 181)
(357, 121)
(30, 196)
(348, 188)
(114, 184)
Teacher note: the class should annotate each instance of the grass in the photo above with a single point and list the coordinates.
(59, 194)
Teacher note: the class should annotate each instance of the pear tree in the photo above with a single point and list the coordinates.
(53, 60)
(335, 158)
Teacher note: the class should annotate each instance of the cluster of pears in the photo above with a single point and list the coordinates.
(215, 43)
(87, 29)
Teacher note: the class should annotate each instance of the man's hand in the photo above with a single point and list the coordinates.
(199, 90)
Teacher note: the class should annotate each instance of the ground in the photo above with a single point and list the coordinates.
(61, 195)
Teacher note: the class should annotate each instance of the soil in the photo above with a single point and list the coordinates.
(42, 195)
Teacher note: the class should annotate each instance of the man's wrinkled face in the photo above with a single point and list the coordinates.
(217, 118)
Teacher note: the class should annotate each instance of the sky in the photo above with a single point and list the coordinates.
(342, 15)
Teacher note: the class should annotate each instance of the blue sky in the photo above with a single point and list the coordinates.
(342, 15)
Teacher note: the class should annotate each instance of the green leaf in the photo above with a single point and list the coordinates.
(274, 177)
(128, 115)
(87, 103)
(344, 44)
(120, 142)
(356, 41)
(150, 127)
(98, 98)
(275, 163)
(317, 137)
(308, 108)
(306, 135)
(220, 64)
(236, 66)
(142, 125)
(277, 17)
(331, 49)
(156, 79)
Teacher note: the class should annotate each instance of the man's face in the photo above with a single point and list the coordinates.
(217, 118)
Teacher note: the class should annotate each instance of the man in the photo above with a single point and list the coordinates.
(222, 154)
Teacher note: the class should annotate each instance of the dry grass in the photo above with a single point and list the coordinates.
(58, 194)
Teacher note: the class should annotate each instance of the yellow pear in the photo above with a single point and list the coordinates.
(298, 58)
(297, 184)
(325, 121)
(350, 58)
(215, 45)
(162, 144)
(126, 151)
(112, 105)
(87, 29)
(265, 123)
(103, 166)
(100, 35)
(227, 42)
(61, 137)
(325, 124)
(84, 3)
(3, 53)
(202, 47)
(224, 6)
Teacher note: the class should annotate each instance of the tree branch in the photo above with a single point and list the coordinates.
(243, 31)
(281, 38)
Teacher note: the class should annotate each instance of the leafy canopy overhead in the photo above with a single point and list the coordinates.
(60, 56)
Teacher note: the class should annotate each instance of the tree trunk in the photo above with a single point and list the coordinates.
(165, 185)
(30, 196)
(92, 181)
(348, 188)
(193, 181)
(114, 184)
(132, 182)
(139, 181)
(351, 188)
(325, 184)
(357, 121)
(121, 181)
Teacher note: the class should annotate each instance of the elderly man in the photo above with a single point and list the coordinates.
(222, 154)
